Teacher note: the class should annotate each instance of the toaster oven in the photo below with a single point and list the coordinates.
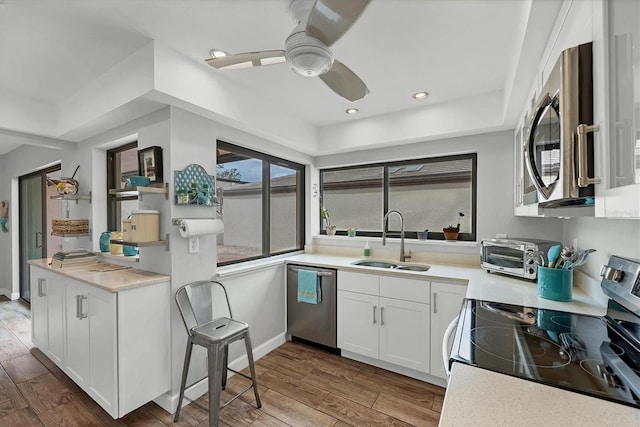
(513, 256)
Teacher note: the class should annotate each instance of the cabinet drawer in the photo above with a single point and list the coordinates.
(415, 290)
(358, 282)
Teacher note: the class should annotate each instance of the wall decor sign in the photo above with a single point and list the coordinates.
(4, 215)
(150, 163)
(194, 187)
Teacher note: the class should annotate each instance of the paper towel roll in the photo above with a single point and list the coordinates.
(199, 227)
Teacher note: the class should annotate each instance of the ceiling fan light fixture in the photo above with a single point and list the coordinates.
(420, 95)
(307, 56)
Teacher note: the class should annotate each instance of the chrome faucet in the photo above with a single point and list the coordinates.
(403, 257)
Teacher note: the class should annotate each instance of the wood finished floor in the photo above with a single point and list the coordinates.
(299, 386)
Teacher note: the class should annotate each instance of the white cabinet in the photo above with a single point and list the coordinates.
(385, 318)
(91, 342)
(47, 317)
(114, 345)
(616, 107)
(445, 306)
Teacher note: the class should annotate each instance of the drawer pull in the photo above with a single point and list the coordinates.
(80, 313)
(435, 303)
(381, 316)
(42, 290)
(374, 314)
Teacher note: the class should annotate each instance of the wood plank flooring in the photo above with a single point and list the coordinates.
(299, 386)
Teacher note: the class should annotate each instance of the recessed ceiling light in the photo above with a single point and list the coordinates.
(420, 95)
(352, 111)
(217, 53)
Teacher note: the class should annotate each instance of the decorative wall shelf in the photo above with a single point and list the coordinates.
(194, 187)
(138, 192)
(142, 244)
(70, 234)
(75, 197)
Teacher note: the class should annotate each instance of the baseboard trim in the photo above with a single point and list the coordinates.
(395, 368)
(11, 295)
(169, 402)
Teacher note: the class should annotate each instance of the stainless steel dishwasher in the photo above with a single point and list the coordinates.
(313, 322)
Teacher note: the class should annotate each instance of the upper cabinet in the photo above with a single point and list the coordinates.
(617, 107)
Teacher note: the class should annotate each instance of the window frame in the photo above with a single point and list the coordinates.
(433, 235)
(113, 202)
(267, 161)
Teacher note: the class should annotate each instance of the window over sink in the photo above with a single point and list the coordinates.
(430, 193)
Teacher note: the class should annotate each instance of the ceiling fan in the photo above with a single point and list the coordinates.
(307, 50)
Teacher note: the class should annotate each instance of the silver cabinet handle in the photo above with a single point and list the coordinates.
(80, 314)
(374, 314)
(435, 303)
(381, 316)
(38, 245)
(42, 290)
(583, 174)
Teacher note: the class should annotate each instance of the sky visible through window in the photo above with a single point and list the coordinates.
(251, 170)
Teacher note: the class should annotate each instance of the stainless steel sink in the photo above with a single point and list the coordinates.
(391, 265)
(413, 267)
(377, 264)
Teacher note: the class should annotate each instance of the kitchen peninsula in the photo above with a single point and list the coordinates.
(90, 323)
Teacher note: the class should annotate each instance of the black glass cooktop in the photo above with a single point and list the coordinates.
(585, 354)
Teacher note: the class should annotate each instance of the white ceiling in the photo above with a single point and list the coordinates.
(454, 49)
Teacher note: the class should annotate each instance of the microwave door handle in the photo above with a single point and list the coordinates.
(583, 173)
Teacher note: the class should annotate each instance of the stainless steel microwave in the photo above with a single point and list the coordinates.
(559, 142)
(514, 256)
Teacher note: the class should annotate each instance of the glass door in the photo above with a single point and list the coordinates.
(33, 223)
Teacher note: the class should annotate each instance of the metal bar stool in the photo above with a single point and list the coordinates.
(196, 304)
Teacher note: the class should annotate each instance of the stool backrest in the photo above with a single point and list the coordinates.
(200, 302)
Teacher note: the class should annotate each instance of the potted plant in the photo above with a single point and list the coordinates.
(326, 219)
(451, 232)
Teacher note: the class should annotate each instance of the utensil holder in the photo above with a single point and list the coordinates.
(555, 284)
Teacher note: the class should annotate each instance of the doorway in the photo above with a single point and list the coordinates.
(35, 210)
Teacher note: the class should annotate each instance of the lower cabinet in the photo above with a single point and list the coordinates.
(91, 342)
(376, 320)
(114, 345)
(47, 317)
(446, 301)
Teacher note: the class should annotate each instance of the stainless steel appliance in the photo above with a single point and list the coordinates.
(515, 256)
(313, 322)
(559, 143)
(596, 356)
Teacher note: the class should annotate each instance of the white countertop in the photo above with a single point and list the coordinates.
(480, 284)
(112, 281)
(483, 398)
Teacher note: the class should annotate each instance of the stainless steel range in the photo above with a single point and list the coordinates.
(597, 356)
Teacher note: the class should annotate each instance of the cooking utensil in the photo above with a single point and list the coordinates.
(552, 255)
(582, 257)
(568, 255)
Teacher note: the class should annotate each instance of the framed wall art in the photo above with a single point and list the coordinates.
(150, 163)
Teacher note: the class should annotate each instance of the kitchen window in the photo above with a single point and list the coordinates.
(261, 201)
(430, 193)
(122, 162)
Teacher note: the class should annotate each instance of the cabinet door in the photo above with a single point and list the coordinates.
(616, 100)
(55, 317)
(358, 323)
(91, 351)
(102, 349)
(77, 360)
(445, 306)
(39, 321)
(404, 333)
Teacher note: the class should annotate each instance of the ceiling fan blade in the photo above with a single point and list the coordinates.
(248, 59)
(344, 82)
(330, 19)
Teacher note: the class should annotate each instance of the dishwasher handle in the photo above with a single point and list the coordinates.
(320, 273)
(445, 345)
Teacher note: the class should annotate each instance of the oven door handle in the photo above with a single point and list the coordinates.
(445, 346)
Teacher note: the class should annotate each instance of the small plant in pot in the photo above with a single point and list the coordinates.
(451, 232)
(326, 219)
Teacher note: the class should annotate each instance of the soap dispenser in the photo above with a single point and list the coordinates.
(367, 249)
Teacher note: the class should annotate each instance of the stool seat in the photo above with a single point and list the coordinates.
(196, 304)
(218, 330)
